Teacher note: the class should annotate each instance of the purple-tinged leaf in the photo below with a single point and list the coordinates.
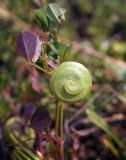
(29, 45)
(28, 112)
(52, 64)
(36, 85)
(38, 2)
(41, 119)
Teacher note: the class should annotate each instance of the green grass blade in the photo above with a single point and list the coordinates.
(101, 123)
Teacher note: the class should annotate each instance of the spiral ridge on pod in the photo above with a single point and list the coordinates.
(70, 82)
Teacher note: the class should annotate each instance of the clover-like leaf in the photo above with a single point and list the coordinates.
(28, 112)
(55, 13)
(50, 17)
(41, 119)
(29, 45)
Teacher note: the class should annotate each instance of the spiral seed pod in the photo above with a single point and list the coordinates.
(22, 153)
(14, 132)
(70, 82)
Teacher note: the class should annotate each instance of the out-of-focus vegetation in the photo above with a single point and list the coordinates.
(98, 28)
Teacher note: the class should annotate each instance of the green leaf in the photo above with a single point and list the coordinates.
(59, 47)
(50, 17)
(100, 122)
(109, 144)
(54, 47)
(42, 19)
(54, 51)
(55, 13)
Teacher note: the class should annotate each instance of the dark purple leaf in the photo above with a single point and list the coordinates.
(29, 45)
(28, 112)
(41, 119)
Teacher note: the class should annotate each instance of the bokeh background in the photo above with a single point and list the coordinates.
(97, 29)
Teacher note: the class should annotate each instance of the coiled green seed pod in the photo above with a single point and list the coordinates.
(13, 132)
(23, 153)
(70, 82)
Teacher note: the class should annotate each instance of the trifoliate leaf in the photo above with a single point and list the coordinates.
(40, 119)
(29, 45)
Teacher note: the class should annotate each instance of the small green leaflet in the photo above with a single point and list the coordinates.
(58, 49)
(55, 13)
(100, 122)
(40, 16)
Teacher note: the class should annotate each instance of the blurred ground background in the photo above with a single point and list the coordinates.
(98, 28)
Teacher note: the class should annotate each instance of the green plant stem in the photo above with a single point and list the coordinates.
(59, 129)
(38, 67)
(41, 69)
(44, 60)
(59, 120)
